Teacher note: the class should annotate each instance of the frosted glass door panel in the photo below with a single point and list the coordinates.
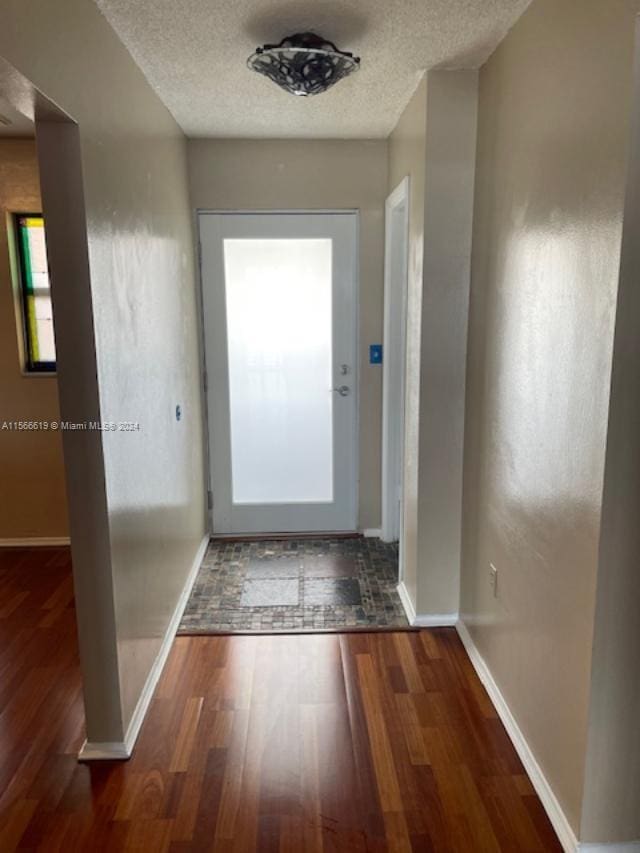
(279, 338)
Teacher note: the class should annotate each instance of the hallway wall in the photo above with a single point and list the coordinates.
(434, 144)
(135, 536)
(551, 163)
(452, 104)
(33, 501)
(611, 808)
(233, 174)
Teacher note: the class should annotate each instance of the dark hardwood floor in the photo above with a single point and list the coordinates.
(354, 742)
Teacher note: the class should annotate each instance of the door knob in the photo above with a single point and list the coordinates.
(343, 390)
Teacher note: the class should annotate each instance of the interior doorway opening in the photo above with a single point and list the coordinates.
(33, 502)
(59, 163)
(280, 320)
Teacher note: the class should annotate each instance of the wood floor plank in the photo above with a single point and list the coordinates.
(232, 784)
(12, 604)
(408, 663)
(221, 729)
(411, 729)
(380, 747)
(149, 835)
(15, 824)
(353, 743)
(186, 735)
(311, 817)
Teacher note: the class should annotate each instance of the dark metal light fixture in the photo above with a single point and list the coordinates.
(303, 64)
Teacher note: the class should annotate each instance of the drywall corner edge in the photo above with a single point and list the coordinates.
(122, 750)
(406, 602)
(424, 620)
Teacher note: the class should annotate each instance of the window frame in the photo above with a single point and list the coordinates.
(30, 366)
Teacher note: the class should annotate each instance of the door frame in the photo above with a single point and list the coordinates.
(394, 366)
(210, 486)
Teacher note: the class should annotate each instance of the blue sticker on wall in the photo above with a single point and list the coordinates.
(375, 354)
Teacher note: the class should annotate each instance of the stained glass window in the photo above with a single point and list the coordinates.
(40, 348)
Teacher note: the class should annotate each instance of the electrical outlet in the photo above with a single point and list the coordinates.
(493, 579)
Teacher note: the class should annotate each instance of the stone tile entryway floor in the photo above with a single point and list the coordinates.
(295, 585)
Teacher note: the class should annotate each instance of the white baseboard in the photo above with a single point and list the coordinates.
(426, 620)
(406, 602)
(623, 847)
(36, 542)
(543, 789)
(123, 750)
(116, 751)
(372, 533)
(436, 620)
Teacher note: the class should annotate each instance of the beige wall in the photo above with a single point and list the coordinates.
(33, 501)
(283, 174)
(553, 138)
(434, 143)
(611, 808)
(140, 257)
(407, 156)
(452, 98)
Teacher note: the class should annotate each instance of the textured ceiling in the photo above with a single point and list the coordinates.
(193, 53)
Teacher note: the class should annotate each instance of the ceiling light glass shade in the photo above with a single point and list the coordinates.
(303, 64)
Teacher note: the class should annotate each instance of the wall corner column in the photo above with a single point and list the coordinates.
(451, 127)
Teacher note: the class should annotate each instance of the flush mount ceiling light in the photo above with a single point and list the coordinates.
(303, 64)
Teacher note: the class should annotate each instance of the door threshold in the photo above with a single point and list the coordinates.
(277, 537)
(296, 632)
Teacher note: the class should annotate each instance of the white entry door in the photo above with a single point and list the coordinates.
(279, 298)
